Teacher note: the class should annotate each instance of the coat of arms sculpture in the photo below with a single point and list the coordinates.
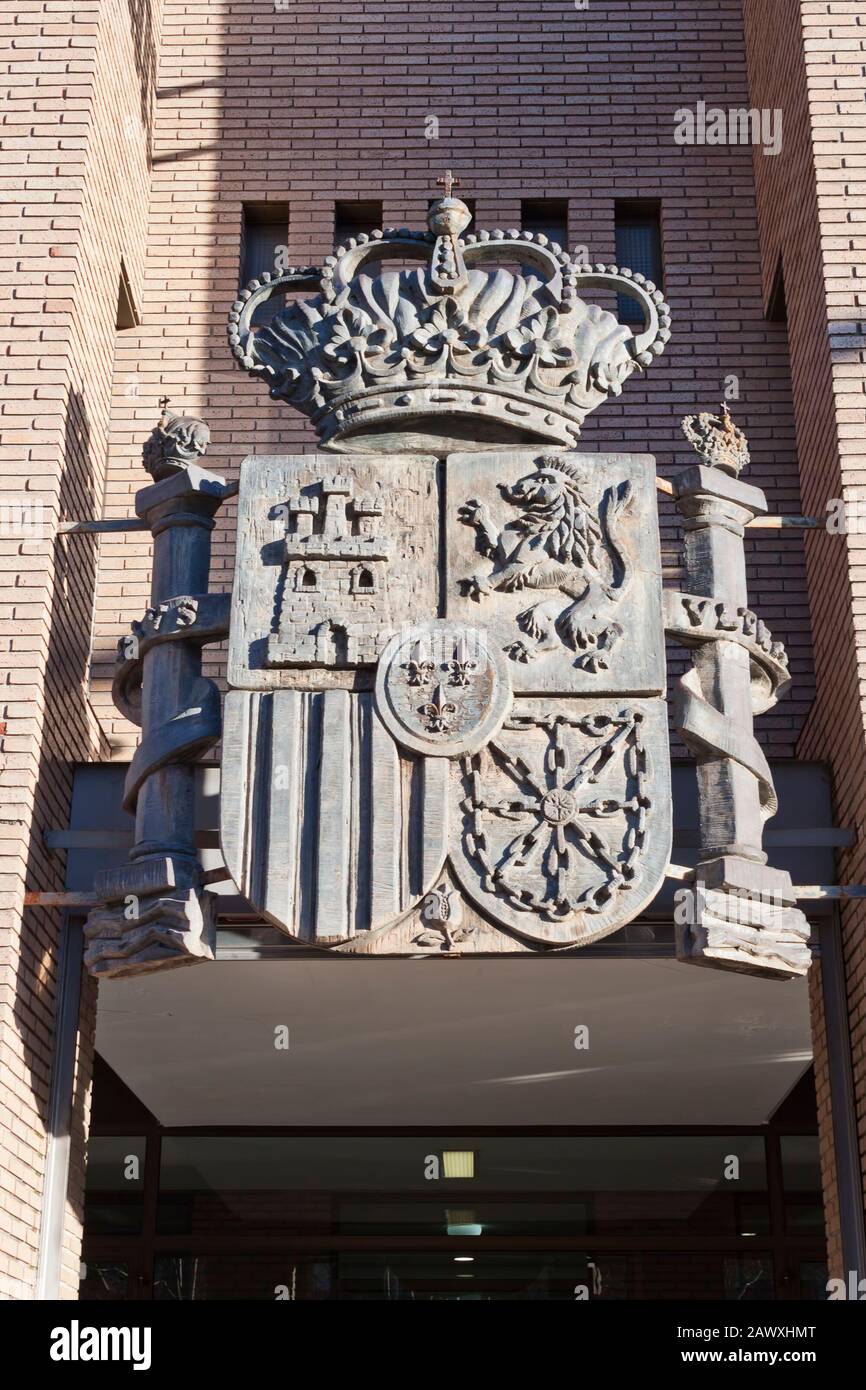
(446, 728)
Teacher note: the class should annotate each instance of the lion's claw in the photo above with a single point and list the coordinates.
(470, 511)
(476, 587)
(518, 651)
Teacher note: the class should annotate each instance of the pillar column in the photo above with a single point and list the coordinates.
(154, 913)
(742, 913)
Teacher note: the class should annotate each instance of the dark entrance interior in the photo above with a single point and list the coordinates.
(537, 1213)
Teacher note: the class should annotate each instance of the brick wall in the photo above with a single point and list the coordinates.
(811, 62)
(76, 129)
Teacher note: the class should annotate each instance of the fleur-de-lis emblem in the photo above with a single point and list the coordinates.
(461, 664)
(419, 667)
(438, 711)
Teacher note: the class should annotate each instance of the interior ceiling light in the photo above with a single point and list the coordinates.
(458, 1163)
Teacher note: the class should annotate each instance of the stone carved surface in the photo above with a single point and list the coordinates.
(693, 620)
(175, 442)
(176, 613)
(325, 825)
(565, 820)
(369, 820)
(336, 564)
(441, 690)
(465, 348)
(153, 913)
(443, 918)
(746, 920)
(363, 815)
(718, 441)
(558, 556)
(737, 671)
(149, 921)
(328, 562)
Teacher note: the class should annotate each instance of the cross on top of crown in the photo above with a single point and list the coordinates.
(448, 181)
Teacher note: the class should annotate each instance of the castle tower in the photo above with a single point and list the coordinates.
(335, 608)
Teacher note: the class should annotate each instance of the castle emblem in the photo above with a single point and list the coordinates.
(334, 602)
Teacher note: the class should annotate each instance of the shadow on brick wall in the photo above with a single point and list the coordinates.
(143, 30)
(66, 739)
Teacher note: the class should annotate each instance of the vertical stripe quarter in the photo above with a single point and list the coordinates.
(435, 791)
(334, 838)
(386, 822)
(327, 828)
(234, 811)
(283, 808)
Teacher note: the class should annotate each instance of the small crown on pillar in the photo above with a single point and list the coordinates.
(175, 442)
(487, 342)
(718, 441)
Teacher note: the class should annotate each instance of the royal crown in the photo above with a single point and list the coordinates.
(488, 342)
(720, 442)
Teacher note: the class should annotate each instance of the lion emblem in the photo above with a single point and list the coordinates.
(559, 541)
